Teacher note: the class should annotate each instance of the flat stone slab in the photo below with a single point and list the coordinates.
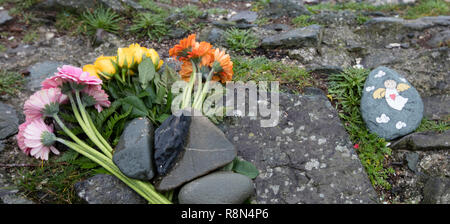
(309, 36)
(307, 158)
(390, 106)
(40, 71)
(9, 122)
(437, 107)
(106, 189)
(424, 141)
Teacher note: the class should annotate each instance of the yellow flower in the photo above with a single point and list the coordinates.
(91, 69)
(151, 53)
(125, 56)
(105, 65)
(138, 52)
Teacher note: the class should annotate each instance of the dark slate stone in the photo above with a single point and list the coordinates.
(437, 107)
(134, 152)
(307, 157)
(9, 122)
(436, 191)
(244, 16)
(421, 141)
(107, 189)
(397, 111)
(217, 188)
(309, 36)
(206, 149)
(4, 16)
(170, 139)
(41, 71)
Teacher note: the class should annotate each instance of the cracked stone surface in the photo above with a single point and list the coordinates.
(306, 158)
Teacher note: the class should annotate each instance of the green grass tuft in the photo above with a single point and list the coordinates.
(101, 18)
(11, 83)
(241, 40)
(262, 69)
(150, 25)
(430, 125)
(346, 88)
(302, 21)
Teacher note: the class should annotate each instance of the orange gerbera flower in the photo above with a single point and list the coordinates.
(181, 50)
(224, 66)
(202, 50)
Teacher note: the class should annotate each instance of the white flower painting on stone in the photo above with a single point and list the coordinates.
(380, 74)
(400, 125)
(391, 94)
(370, 88)
(383, 119)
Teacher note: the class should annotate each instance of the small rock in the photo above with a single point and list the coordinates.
(412, 159)
(134, 152)
(391, 107)
(206, 149)
(244, 16)
(9, 122)
(421, 141)
(309, 36)
(436, 191)
(170, 139)
(217, 188)
(106, 189)
(4, 17)
(41, 71)
(212, 35)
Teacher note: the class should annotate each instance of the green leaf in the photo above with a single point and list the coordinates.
(138, 107)
(162, 117)
(101, 117)
(246, 168)
(111, 124)
(146, 72)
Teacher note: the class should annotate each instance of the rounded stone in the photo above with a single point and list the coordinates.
(390, 106)
(217, 188)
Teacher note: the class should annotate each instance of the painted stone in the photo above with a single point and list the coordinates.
(391, 107)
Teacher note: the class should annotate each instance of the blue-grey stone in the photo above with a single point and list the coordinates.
(134, 151)
(41, 71)
(4, 16)
(9, 122)
(309, 36)
(391, 107)
(217, 188)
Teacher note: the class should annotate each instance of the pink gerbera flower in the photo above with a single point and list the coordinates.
(99, 95)
(21, 138)
(44, 102)
(39, 139)
(68, 73)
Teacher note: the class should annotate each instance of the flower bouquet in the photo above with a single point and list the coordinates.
(86, 109)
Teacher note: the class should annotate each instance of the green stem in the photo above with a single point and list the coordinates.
(139, 186)
(85, 126)
(187, 98)
(100, 136)
(198, 104)
(109, 166)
